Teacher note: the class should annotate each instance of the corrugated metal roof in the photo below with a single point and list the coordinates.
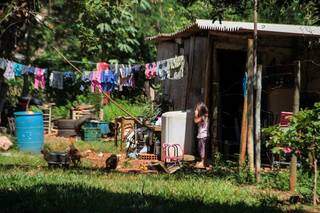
(241, 27)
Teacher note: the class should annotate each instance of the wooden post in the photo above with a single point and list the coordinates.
(315, 171)
(244, 125)
(296, 106)
(207, 75)
(258, 122)
(215, 104)
(250, 138)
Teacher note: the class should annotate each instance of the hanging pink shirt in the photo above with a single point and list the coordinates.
(39, 78)
(95, 78)
(151, 70)
(101, 66)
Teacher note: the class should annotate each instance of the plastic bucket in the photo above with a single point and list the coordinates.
(29, 131)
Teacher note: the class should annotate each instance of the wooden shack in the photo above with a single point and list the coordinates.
(217, 54)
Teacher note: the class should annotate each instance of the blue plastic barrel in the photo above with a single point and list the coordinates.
(29, 131)
(104, 128)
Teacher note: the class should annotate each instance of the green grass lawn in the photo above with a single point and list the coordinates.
(28, 185)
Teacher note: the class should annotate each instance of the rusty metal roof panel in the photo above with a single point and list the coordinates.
(238, 27)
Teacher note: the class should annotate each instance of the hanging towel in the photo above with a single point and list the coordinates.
(9, 73)
(151, 70)
(18, 69)
(3, 63)
(176, 66)
(162, 69)
(39, 78)
(56, 80)
(102, 66)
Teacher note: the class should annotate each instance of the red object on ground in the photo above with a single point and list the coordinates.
(171, 153)
(285, 118)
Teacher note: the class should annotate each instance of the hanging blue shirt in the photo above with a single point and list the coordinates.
(108, 80)
(18, 69)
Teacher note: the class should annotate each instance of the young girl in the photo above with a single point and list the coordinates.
(201, 119)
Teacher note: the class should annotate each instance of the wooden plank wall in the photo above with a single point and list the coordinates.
(197, 68)
(185, 93)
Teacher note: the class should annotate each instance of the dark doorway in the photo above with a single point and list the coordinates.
(232, 66)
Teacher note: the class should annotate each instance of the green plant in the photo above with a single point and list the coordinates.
(61, 112)
(301, 138)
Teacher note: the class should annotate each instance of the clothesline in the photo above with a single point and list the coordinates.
(106, 77)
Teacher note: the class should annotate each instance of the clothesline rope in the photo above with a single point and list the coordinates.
(104, 93)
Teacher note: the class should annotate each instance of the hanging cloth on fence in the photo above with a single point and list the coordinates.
(9, 73)
(176, 68)
(162, 69)
(56, 80)
(151, 70)
(39, 78)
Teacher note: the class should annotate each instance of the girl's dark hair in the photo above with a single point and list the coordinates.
(202, 109)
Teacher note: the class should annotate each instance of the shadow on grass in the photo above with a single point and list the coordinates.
(82, 198)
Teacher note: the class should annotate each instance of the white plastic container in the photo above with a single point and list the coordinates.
(177, 128)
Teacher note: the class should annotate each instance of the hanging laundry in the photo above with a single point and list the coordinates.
(9, 73)
(162, 69)
(28, 70)
(151, 70)
(130, 82)
(69, 78)
(136, 68)
(107, 81)
(128, 70)
(56, 80)
(95, 77)
(121, 77)
(17, 68)
(126, 77)
(86, 76)
(176, 67)
(3, 63)
(39, 78)
(102, 66)
(85, 80)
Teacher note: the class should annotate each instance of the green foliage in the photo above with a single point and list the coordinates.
(60, 112)
(137, 108)
(57, 190)
(14, 91)
(301, 137)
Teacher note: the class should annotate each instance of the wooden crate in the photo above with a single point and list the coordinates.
(147, 157)
(77, 114)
